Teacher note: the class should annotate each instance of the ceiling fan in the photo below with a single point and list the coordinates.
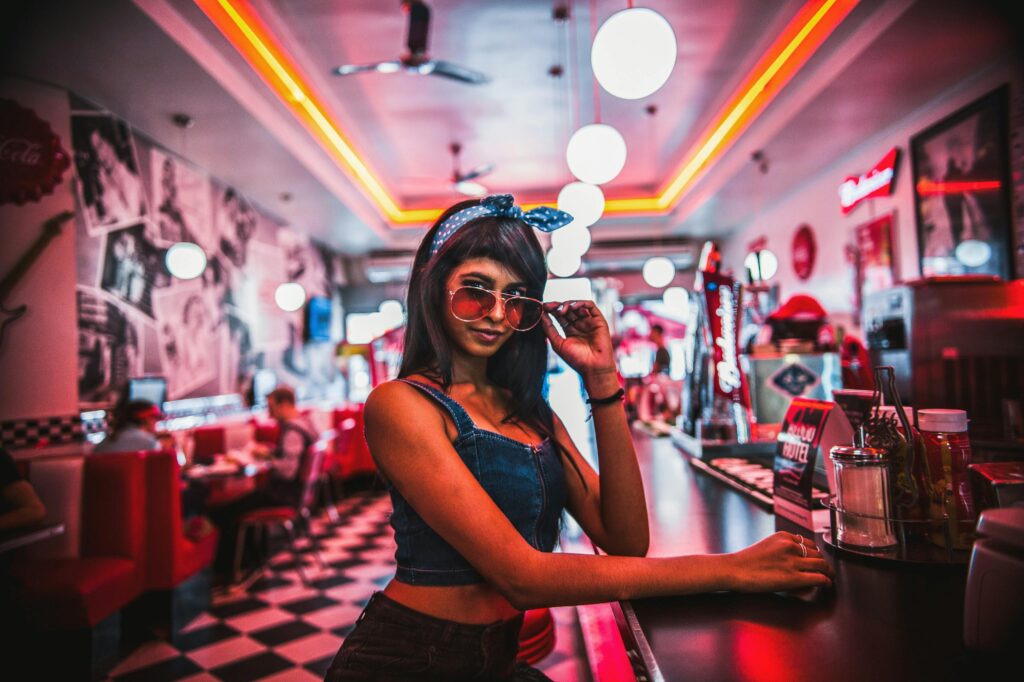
(465, 183)
(417, 60)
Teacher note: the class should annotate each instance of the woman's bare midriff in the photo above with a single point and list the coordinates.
(478, 604)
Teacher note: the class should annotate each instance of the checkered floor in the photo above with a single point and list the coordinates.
(282, 630)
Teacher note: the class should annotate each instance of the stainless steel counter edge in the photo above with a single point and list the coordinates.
(639, 641)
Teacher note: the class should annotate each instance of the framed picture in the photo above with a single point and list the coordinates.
(962, 191)
(872, 254)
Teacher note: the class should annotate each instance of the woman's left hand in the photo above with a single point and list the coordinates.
(587, 345)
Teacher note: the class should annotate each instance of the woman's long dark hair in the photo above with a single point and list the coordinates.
(520, 364)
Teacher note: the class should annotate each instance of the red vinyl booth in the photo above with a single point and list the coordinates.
(266, 431)
(352, 455)
(171, 558)
(80, 592)
(208, 441)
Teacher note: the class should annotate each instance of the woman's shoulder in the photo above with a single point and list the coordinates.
(394, 404)
(396, 396)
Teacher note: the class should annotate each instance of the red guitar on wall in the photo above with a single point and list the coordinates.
(51, 229)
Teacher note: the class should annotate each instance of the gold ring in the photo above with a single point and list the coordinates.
(803, 549)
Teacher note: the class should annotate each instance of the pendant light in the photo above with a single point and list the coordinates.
(596, 153)
(185, 260)
(634, 53)
(289, 296)
(658, 271)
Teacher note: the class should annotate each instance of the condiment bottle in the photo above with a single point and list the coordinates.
(947, 452)
(864, 518)
(912, 505)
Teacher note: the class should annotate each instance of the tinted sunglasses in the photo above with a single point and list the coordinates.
(470, 304)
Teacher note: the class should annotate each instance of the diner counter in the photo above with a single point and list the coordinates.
(880, 621)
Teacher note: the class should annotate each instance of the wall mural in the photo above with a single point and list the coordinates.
(208, 335)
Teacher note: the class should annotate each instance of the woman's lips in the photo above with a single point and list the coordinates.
(486, 335)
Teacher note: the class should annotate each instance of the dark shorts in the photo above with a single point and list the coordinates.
(393, 642)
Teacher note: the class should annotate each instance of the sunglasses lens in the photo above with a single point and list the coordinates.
(522, 313)
(470, 304)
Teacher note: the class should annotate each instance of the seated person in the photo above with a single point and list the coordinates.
(296, 435)
(19, 504)
(134, 428)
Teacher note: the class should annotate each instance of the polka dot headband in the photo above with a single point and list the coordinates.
(543, 218)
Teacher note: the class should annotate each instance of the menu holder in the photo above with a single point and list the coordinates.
(803, 473)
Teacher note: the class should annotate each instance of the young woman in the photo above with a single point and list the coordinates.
(479, 468)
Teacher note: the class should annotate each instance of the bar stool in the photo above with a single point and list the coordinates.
(537, 636)
(294, 520)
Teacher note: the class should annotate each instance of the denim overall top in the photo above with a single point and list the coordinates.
(527, 482)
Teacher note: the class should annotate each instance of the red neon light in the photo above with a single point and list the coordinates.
(927, 187)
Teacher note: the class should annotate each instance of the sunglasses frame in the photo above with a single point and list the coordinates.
(499, 297)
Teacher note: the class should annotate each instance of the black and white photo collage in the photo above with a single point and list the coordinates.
(206, 335)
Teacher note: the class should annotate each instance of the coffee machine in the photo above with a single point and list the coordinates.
(955, 342)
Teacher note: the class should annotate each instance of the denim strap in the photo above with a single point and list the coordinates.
(463, 422)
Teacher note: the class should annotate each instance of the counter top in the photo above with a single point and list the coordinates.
(880, 621)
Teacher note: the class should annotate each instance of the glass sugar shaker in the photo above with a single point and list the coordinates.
(863, 503)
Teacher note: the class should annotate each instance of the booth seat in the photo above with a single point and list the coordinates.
(207, 442)
(352, 455)
(176, 579)
(79, 592)
(266, 431)
(170, 557)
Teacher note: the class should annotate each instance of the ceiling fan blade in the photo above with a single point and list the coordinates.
(477, 172)
(457, 73)
(377, 67)
(469, 188)
(419, 27)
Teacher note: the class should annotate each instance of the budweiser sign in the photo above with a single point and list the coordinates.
(877, 182)
(721, 296)
(32, 161)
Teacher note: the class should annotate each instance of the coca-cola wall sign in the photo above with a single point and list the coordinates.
(32, 161)
(805, 251)
(877, 182)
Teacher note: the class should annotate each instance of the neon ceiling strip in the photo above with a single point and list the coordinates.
(811, 26)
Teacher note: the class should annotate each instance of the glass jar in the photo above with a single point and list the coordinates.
(947, 452)
(863, 515)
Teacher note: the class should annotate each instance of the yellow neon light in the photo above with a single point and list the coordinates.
(287, 82)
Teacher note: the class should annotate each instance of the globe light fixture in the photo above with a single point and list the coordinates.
(596, 153)
(634, 53)
(658, 271)
(185, 260)
(973, 253)
(392, 313)
(583, 201)
(571, 239)
(676, 299)
(289, 296)
(762, 265)
(563, 263)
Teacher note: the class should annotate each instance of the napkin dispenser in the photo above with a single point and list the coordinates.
(994, 600)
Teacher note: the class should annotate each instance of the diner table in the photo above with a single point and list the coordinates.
(16, 538)
(882, 620)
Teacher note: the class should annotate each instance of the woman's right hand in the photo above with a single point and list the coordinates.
(778, 563)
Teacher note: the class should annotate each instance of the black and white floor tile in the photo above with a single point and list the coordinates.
(279, 629)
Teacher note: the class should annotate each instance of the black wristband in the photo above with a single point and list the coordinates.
(613, 398)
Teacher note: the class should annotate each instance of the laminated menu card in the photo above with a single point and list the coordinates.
(803, 472)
